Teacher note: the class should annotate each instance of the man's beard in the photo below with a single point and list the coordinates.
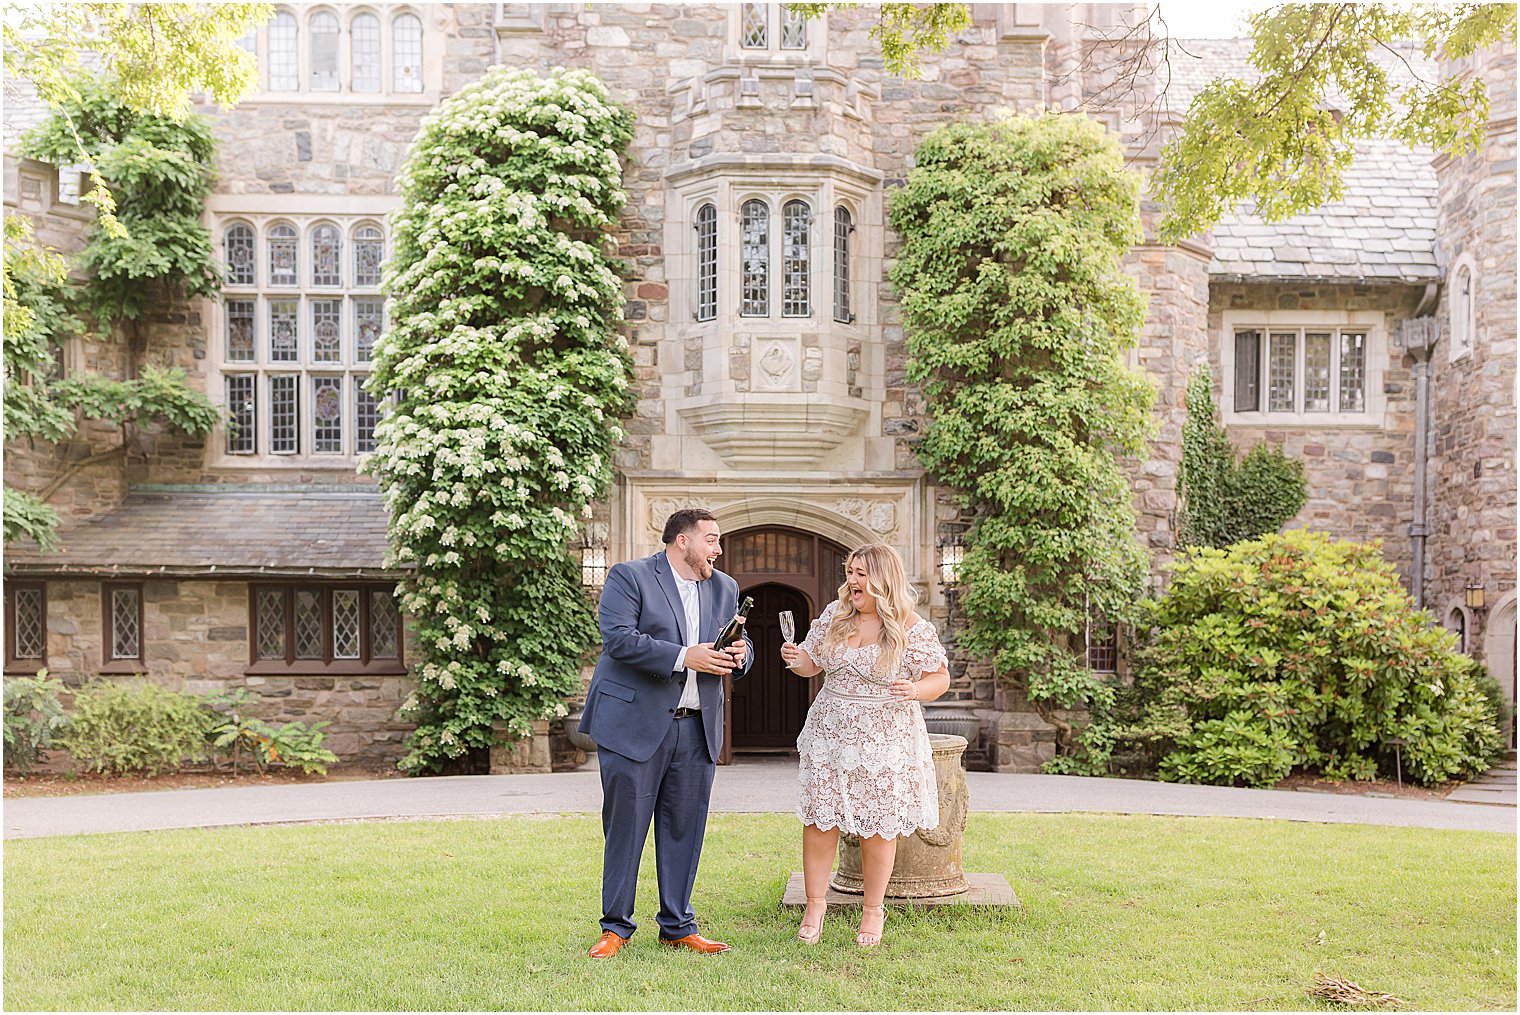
(699, 565)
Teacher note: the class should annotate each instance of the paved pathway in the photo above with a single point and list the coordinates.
(752, 785)
(1496, 786)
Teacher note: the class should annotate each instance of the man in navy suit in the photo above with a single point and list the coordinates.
(655, 710)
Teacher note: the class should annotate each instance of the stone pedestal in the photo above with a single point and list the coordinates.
(525, 756)
(928, 861)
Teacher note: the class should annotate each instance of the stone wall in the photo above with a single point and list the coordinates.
(1360, 478)
(195, 639)
(1472, 454)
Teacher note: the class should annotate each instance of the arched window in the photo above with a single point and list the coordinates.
(793, 29)
(754, 285)
(365, 33)
(238, 251)
(369, 254)
(406, 54)
(752, 34)
(283, 76)
(1456, 623)
(324, 52)
(326, 263)
(843, 227)
(796, 291)
(1462, 316)
(707, 263)
(282, 255)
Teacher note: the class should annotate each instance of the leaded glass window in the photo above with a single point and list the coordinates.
(1102, 646)
(345, 623)
(1353, 371)
(241, 409)
(1462, 311)
(366, 53)
(384, 625)
(406, 54)
(369, 254)
(1282, 357)
(326, 264)
(752, 26)
(238, 248)
(1308, 371)
(307, 626)
(284, 331)
(126, 621)
(270, 620)
(28, 622)
(327, 331)
(324, 52)
(241, 343)
(369, 321)
(327, 415)
(308, 621)
(754, 231)
(707, 263)
(793, 29)
(366, 415)
(305, 343)
(1316, 372)
(796, 255)
(843, 227)
(282, 54)
(282, 255)
(284, 414)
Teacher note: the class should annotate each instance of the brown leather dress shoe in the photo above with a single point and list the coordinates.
(697, 943)
(607, 945)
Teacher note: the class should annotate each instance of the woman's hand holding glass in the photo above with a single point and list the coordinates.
(795, 658)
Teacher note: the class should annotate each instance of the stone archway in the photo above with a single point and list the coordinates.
(1499, 650)
(783, 568)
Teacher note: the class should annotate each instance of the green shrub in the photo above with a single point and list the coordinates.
(235, 734)
(1296, 650)
(1225, 501)
(130, 728)
(33, 719)
(1504, 709)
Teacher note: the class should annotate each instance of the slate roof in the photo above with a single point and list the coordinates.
(1382, 230)
(198, 532)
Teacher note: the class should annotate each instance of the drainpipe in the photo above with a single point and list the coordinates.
(1420, 335)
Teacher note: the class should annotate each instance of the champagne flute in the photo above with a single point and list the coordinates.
(788, 628)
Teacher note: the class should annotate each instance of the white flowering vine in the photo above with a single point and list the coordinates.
(503, 346)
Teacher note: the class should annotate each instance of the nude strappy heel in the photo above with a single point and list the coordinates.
(810, 935)
(865, 938)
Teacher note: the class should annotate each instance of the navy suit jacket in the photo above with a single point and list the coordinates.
(634, 692)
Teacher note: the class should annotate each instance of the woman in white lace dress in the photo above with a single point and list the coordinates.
(866, 767)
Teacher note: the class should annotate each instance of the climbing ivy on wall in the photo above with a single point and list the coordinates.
(1224, 500)
(510, 375)
(1017, 317)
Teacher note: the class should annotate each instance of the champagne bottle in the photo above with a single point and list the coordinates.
(734, 629)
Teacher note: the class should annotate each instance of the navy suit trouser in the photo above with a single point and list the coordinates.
(672, 788)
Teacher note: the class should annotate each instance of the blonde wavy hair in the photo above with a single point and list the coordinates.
(887, 581)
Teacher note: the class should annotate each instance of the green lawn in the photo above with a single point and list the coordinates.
(1119, 913)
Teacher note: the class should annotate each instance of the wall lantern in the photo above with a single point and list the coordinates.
(593, 563)
(1475, 596)
(952, 551)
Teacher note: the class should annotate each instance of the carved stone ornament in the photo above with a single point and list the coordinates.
(661, 508)
(880, 516)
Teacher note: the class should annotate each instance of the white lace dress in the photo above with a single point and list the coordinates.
(866, 767)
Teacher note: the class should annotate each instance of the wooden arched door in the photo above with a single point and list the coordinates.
(783, 569)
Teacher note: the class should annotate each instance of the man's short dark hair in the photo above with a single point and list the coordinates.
(685, 520)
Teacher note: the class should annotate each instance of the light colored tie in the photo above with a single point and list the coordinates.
(689, 696)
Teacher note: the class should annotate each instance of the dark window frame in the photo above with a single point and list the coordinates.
(14, 665)
(327, 663)
(109, 663)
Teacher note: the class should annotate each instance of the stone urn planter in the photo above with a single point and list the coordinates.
(957, 719)
(928, 861)
(574, 734)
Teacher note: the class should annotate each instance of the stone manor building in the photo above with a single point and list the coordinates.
(1374, 340)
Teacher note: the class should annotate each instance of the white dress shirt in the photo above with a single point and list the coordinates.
(689, 696)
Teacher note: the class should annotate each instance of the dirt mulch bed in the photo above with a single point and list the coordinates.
(1377, 787)
(81, 784)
